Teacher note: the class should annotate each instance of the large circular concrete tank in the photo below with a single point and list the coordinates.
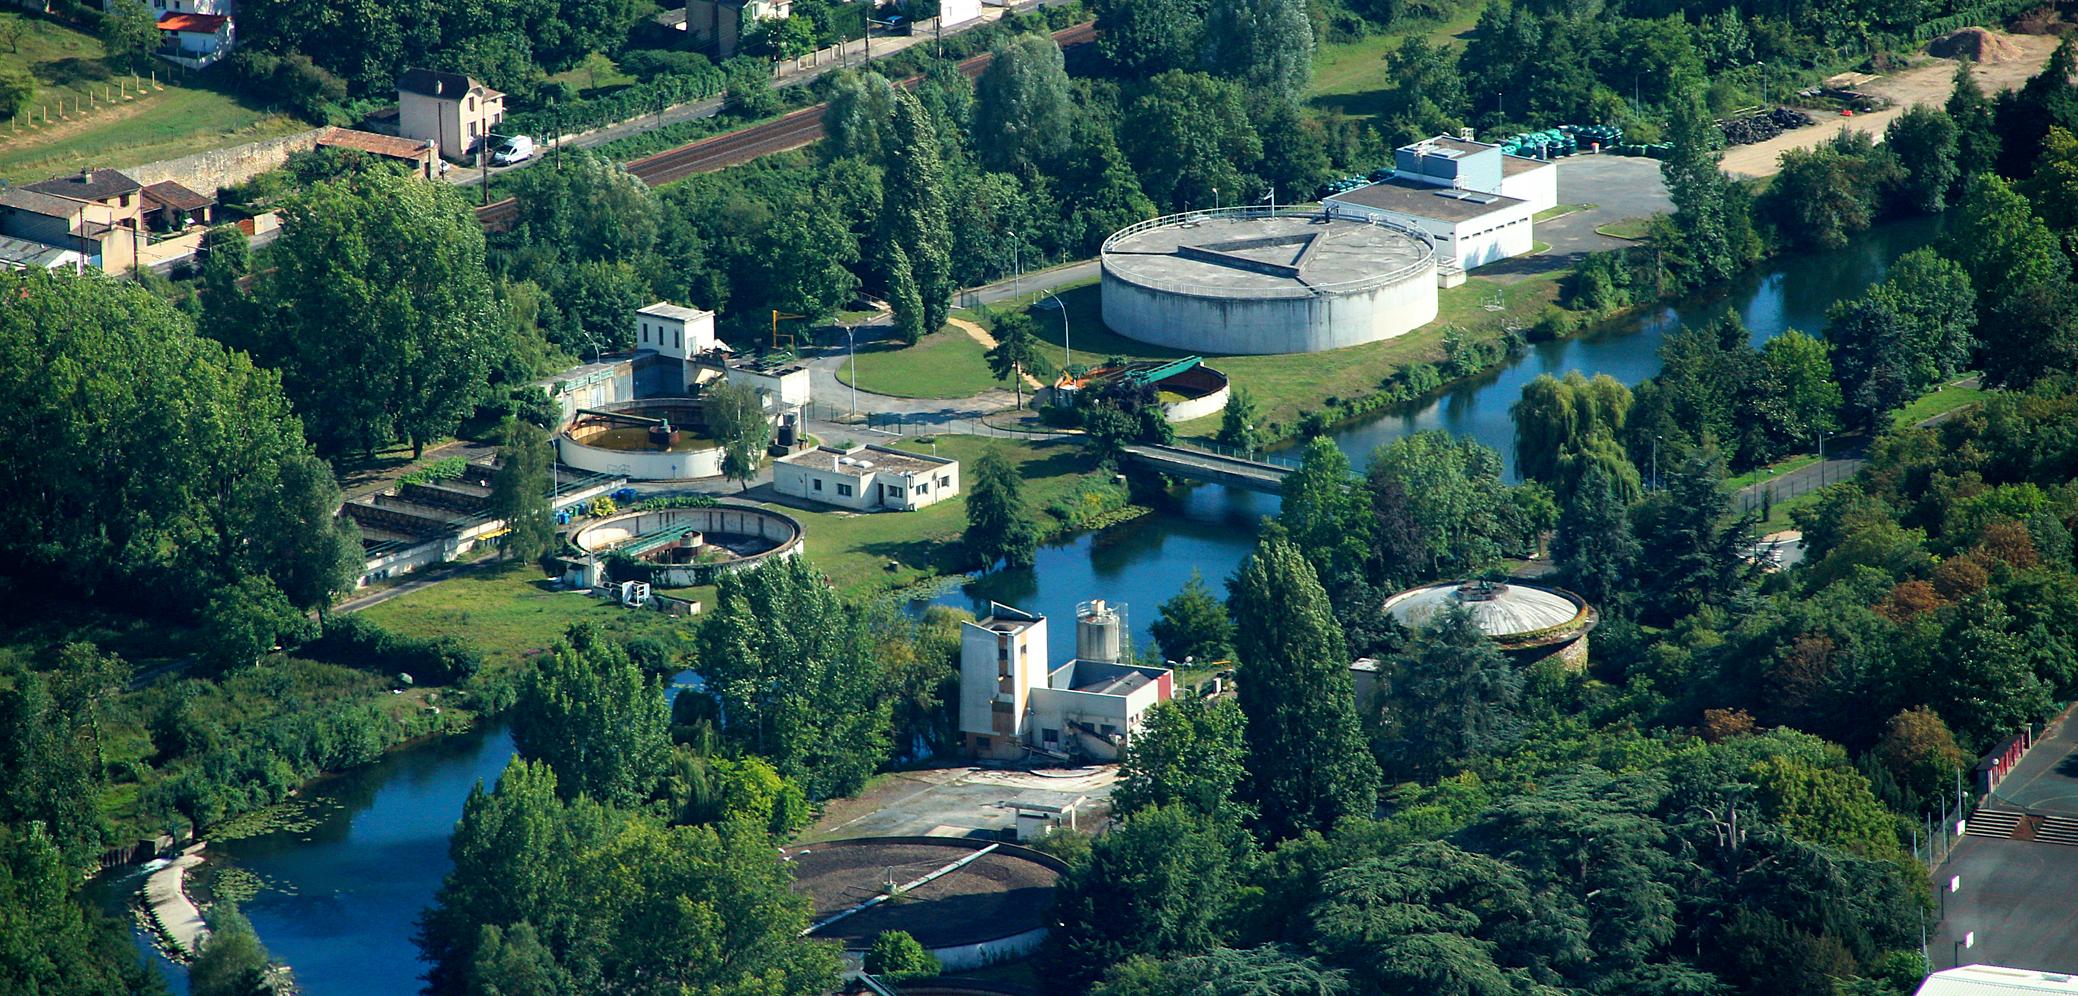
(1099, 631)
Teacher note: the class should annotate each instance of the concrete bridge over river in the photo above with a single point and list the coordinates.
(1210, 467)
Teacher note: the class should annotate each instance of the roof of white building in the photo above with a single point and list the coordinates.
(1423, 200)
(665, 309)
(869, 460)
(1499, 610)
(1992, 980)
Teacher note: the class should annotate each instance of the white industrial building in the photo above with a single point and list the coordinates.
(1014, 703)
(1992, 980)
(868, 479)
(1473, 200)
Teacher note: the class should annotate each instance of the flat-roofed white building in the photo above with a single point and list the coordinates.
(674, 330)
(1992, 980)
(1473, 200)
(1014, 702)
(867, 479)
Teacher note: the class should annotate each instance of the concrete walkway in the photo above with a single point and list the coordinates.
(166, 897)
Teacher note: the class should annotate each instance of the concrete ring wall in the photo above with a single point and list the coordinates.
(640, 465)
(1202, 323)
(783, 530)
(1198, 407)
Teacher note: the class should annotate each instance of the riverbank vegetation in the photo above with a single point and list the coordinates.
(1748, 752)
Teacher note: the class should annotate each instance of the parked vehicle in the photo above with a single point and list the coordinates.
(518, 148)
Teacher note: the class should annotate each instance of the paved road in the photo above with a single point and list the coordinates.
(2016, 897)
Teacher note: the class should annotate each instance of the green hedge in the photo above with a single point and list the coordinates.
(359, 643)
(634, 101)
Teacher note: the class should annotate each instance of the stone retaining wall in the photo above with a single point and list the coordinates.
(208, 172)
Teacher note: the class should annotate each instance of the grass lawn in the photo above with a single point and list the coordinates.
(1350, 77)
(872, 552)
(172, 120)
(1284, 385)
(946, 364)
(511, 613)
(1961, 394)
(1561, 210)
(596, 72)
(1627, 228)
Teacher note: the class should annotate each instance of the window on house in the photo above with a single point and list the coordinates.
(1108, 730)
(645, 331)
(472, 103)
(472, 129)
(980, 743)
(844, 490)
(1050, 736)
(923, 488)
(677, 339)
(945, 482)
(818, 484)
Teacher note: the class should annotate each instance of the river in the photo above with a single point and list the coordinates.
(344, 896)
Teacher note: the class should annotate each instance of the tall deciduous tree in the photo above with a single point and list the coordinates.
(1022, 106)
(1924, 141)
(1146, 37)
(1797, 397)
(859, 117)
(1702, 201)
(794, 668)
(1308, 766)
(310, 551)
(233, 962)
(1557, 418)
(591, 714)
(1016, 352)
(1191, 752)
(1325, 516)
(2018, 267)
(917, 221)
(1266, 44)
(1190, 135)
(735, 415)
(379, 310)
(1238, 422)
(1907, 334)
(1165, 882)
(999, 522)
(1194, 625)
(520, 489)
(1976, 135)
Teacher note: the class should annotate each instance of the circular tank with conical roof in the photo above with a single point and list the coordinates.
(1529, 621)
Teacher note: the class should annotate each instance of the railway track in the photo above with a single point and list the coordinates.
(788, 132)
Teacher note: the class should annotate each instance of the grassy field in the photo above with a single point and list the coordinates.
(1628, 228)
(511, 613)
(870, 553)
(946, 364)
(1961, 394)
(1284, 385)
(173, 119)
(1349, 77)
(596, 72)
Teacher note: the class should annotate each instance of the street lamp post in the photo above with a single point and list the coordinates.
(851, 346)
(1215, 200)
(1066, 342)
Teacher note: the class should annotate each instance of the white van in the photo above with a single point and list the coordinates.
(518, 148)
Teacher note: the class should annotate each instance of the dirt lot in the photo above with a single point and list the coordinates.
(1927, 84)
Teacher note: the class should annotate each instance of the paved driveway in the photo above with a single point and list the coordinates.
(2016, 897)
(1620, 187)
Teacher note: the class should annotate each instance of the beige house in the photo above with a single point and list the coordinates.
(867, 479)
(453, 111)
(97, 213)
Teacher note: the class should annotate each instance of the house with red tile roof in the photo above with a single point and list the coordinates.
(195, 40)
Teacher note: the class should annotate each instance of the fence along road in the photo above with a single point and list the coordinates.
(782, 134)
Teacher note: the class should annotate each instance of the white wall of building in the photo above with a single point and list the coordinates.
(951, 12)
(1538, 186)
(1471, 243)
(789, 387)
(864, 488)
(1000, 667)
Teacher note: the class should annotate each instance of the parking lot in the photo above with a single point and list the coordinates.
(962, 801)
(1619, 187)
(2016, 897)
